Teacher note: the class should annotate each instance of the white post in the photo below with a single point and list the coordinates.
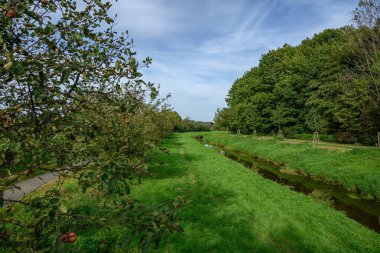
(315, 138)
(239, 130)
(254, 133)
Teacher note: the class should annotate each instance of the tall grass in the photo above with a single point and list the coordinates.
(356, 170)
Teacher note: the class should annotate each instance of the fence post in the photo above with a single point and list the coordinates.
(254, 133)
(315, 138)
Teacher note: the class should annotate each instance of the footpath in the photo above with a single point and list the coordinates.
(23, 188)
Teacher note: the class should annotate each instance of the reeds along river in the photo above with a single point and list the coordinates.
(363, 210)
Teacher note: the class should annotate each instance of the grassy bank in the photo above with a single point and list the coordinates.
(232, 209)
(356, 169)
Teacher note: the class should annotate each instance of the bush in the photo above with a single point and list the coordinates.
(346, 137)
(322, 137)
(188, 125)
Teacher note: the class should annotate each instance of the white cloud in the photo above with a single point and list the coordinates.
(245, 35)
(198, 82)
(148, 19)
(200, 47)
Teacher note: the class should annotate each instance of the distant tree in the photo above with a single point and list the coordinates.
(366, 18)
(189, 125)
(222, 119)
(323, 84)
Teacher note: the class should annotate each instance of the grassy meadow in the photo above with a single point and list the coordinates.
(356, 169)
(230, 209)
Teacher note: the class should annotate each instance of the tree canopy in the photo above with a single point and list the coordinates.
(328, 83)
(72, 100)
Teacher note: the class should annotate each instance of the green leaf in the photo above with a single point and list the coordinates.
(52, 7)
(109, 20)
(54, 201)
(8, 66)
(118, 88)
(63, 208)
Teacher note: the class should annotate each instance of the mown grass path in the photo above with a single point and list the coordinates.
(233, 209)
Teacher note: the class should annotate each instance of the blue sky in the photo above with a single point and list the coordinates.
(200, 47)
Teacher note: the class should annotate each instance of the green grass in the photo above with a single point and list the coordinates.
(232, 209)
(235, 210)
(357, 169)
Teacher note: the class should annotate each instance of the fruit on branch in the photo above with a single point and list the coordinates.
(11, 13)
(69, 238)
(72, 237)
(44, 2)
(64, 238)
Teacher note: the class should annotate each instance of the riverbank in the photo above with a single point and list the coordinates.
(357, 170)
(230, 209)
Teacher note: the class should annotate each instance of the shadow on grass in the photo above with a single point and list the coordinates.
(167, 161)
(213, 221)
(210, 228)
(209, 220)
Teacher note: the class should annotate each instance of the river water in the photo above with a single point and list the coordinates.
(364, 210)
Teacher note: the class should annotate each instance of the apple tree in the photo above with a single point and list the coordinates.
(70, 88)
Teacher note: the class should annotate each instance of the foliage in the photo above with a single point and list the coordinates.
(322, 137)
(329, 84)
(72, 100)
(188, 125)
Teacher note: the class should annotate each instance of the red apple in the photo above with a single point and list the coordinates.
(11, 13)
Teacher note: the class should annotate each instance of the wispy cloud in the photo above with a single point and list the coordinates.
(200, 47)
(246, 35)
(147, 19)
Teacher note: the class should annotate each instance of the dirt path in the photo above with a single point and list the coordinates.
(23, 188)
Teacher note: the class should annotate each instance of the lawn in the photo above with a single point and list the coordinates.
(231, 209)
(357, 169)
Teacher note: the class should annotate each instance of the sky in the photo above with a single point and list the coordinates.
(200, 47)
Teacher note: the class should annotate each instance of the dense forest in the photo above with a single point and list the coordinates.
(328, 83)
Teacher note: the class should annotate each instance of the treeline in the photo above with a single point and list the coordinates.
(329, 84)
(187, 124)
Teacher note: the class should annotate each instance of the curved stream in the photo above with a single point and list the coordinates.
(364, 211)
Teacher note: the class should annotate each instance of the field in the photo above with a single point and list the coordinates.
(96, 157)
(356, 169)
(230, 209)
